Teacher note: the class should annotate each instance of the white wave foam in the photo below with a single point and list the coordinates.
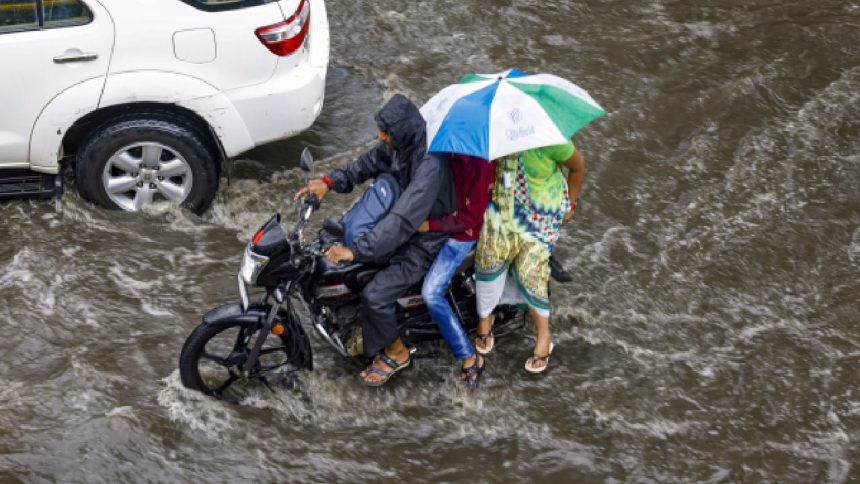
(854, 247)
(195, 409)
(659, 428)
(153, 310)
(16, 272)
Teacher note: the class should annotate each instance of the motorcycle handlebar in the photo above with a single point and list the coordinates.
(308, 205)
(312, 201)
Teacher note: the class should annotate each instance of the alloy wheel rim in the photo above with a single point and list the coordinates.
(140, 173)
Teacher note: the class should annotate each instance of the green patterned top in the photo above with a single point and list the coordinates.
(530, 194)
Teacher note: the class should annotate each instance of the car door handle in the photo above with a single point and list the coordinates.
(76, 57)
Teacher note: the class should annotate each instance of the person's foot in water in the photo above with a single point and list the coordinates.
(472, 369)
(392, 359)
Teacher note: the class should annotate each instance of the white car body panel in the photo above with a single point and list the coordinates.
(320, 41)
(33, 78)
(291, 101)
(164, 53)
(131, 87)
(146, 34)
(196, 46)
(60, 114)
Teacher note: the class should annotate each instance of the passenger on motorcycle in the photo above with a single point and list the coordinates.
(427, 193)
(473, 184)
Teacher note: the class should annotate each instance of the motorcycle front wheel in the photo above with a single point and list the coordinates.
(214, 355)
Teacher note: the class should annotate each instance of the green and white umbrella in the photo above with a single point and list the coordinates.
(493, 115)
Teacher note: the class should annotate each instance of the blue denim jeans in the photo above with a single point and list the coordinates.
(436, 284)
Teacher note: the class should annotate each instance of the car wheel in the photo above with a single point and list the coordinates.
(136, 161)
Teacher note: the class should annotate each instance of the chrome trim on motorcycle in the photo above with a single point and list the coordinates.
(243, 292)
(331, 339)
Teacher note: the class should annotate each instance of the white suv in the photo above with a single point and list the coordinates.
(150, 98)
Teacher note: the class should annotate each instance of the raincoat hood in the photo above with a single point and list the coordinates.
(427, 189)
(402, 120)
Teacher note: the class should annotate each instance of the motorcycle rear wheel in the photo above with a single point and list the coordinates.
(213, 356)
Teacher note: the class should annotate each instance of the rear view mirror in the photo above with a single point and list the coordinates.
(306, 161)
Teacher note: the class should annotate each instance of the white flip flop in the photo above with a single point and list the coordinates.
(484, 338)
(535, 358)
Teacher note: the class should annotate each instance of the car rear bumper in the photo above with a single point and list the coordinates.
(282, 107)
(291, 100)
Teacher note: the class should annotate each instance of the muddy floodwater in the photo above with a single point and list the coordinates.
(711, 332)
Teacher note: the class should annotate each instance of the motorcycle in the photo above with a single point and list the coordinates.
(249, 341)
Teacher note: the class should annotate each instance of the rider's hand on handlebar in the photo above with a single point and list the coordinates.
(338, 253)
(316, 187)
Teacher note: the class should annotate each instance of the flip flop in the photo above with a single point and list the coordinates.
(385, 374)
(484, 337)
(536, 358)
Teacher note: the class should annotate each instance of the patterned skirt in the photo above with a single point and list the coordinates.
(527, 258)
(519, 232)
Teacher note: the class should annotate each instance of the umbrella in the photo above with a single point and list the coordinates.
(493, 115)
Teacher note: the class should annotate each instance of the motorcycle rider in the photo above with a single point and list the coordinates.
(427, 193)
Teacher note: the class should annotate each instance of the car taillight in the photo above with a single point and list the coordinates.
(286, 37)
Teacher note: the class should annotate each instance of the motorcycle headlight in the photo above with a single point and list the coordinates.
(252, 265)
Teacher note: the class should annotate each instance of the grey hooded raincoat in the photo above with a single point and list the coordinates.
(427, 192)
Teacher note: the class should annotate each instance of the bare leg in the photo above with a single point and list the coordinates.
(544, 337)
(397, 351)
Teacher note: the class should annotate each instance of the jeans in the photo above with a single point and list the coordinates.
(433, 292)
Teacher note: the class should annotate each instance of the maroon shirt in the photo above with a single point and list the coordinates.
(473, 183)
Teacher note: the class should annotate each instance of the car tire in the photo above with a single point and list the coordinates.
(134, 161)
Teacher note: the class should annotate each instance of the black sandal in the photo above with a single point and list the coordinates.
(471, 374)
(385, 374)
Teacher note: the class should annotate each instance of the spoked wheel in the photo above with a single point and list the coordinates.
(214, 356)
(136, 160)
(138, 174)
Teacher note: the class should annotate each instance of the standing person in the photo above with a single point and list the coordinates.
(427, 192)
(531, 201)
(473, 184)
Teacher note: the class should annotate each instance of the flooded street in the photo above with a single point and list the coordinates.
(710, 333)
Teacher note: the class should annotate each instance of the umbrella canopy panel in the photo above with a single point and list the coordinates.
(492, 115)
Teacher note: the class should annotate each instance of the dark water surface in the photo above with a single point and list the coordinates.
(711, 332)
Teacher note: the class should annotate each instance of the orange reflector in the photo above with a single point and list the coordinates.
(278, 329)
